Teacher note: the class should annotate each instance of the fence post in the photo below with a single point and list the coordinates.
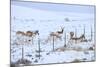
(76, 35)
(84, 32)
(65, 40)
(22, 52)
(32, 41)
(84, 29)
(53, 43)
(39, 47)
(91, 33)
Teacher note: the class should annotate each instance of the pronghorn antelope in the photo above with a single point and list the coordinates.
(76, 39)
(56, 35)
(20, 37)
(30, 33)
(26, 38)
(30, 36)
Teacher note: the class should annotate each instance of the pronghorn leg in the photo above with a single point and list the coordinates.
(32, 41)
(60, 38)
(48, 39)
(75, 41)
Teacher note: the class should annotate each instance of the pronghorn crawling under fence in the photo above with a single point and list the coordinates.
(26, 37)
(56, 35)
(77, 39)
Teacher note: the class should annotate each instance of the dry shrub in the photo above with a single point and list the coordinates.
(23, 61)
(62, 49)
(76, 61)
(78, 49)
(91, 48)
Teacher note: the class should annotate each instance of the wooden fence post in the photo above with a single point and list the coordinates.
(53, 43)
(22, 52)
(39, 47)
(32, 41)
(65, 40)
(91, 33)
(76, 35)
(84, 32)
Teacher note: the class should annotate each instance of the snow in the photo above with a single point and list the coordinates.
(31, 19)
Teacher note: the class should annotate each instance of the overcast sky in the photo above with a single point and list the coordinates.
(56, 7)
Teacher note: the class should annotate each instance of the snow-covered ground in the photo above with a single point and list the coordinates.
(46, 21)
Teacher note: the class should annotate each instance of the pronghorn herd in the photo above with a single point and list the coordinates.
(28, 36)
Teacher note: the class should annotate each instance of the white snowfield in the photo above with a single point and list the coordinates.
(47, 21)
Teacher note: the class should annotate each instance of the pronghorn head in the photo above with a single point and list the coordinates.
(71, 34)
(62, 30)
(36, 32)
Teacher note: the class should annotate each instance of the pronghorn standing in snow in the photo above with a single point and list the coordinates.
(30, 36)
(56, 35)
(20, 38)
